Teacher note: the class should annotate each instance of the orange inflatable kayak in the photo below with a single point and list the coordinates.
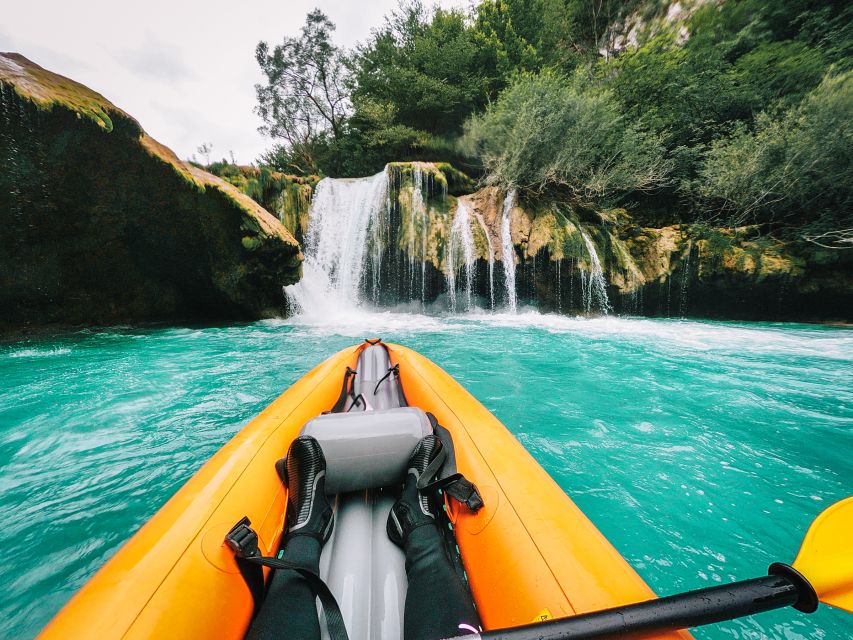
(529, 553)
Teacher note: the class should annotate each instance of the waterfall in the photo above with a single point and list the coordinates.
(572, 283)
(508, 253)
(491, 251)
(461, 241)
(559, 287)
(594, 287)
(346, 229)
(419, 214)
(359, 249)
(685, 281)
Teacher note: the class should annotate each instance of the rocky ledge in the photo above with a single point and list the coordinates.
(583, 261)
(102, 224)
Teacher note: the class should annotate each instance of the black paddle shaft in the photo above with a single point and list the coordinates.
(786, 587)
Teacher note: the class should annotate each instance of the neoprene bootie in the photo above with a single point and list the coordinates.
(414, 509)
(303, 472)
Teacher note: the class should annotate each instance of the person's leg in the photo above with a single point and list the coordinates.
(289, 609)
(437, 603)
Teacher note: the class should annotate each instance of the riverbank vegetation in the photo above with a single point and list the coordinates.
(731, 112)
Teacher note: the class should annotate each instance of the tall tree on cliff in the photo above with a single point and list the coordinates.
(304, 101)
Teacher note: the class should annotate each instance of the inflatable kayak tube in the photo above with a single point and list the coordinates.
(529, 553)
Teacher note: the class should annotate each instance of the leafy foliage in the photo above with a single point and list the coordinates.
(429, 68)
(711, 109)
(304, 101)
(546, 131)
(797, 166)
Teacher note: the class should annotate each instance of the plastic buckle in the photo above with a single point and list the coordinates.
(474, 502)
(242, 539)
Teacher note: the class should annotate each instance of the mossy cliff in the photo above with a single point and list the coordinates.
(286, 196)
(562, 255)
(677, 270)
(101, 223)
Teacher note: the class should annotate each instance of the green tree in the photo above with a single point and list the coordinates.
(425, 67)
(509, 31)
(304, 101)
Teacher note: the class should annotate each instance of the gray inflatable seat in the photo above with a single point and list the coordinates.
(366, 450)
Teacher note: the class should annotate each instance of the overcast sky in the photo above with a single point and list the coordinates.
(184, 68)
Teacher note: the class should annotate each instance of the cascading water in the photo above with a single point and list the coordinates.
(572, 283)
(491, 250)
(593, 285)
(346, 229)
(365, 239)
(461, 245)
(417, 227)
(508, 252)
(685, 281)
(559, 287)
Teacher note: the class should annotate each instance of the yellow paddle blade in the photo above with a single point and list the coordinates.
(826, 555)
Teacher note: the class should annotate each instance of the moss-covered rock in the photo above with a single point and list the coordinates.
(286, 196)
(671, 271)
(101, 223)
(421, 209)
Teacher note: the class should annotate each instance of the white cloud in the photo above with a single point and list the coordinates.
(185, 69)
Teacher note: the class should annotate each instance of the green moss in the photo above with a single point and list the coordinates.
(49, 90)
(434, 180)
(288, 197)
(426, 215)
(251, 242)
(458, 183)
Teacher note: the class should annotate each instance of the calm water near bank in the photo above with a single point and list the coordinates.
(701, 450)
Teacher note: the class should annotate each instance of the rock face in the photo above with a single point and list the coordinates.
(103, 224)
(677, 270)
(285, 196)
(576, 261)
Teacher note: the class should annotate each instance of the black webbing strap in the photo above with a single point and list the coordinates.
(357, 401)
(395, 370)
(458, 486)
(243, 540)
(441, 473)
(345, 391)
(427, 479)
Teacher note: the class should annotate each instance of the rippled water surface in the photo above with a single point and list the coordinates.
(701, 450)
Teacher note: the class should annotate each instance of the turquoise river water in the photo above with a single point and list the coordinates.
(701, 450)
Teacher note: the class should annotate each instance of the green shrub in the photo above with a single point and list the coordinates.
(793, 169)
(549, 132)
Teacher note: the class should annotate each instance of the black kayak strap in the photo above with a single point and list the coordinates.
(395, 370)
(243, 540)
(427, 479)
(346, 391)
(454, 484)
(334, 617)
(459, 487)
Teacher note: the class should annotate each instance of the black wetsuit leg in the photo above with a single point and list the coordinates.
(289, 609)
(437, 603)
